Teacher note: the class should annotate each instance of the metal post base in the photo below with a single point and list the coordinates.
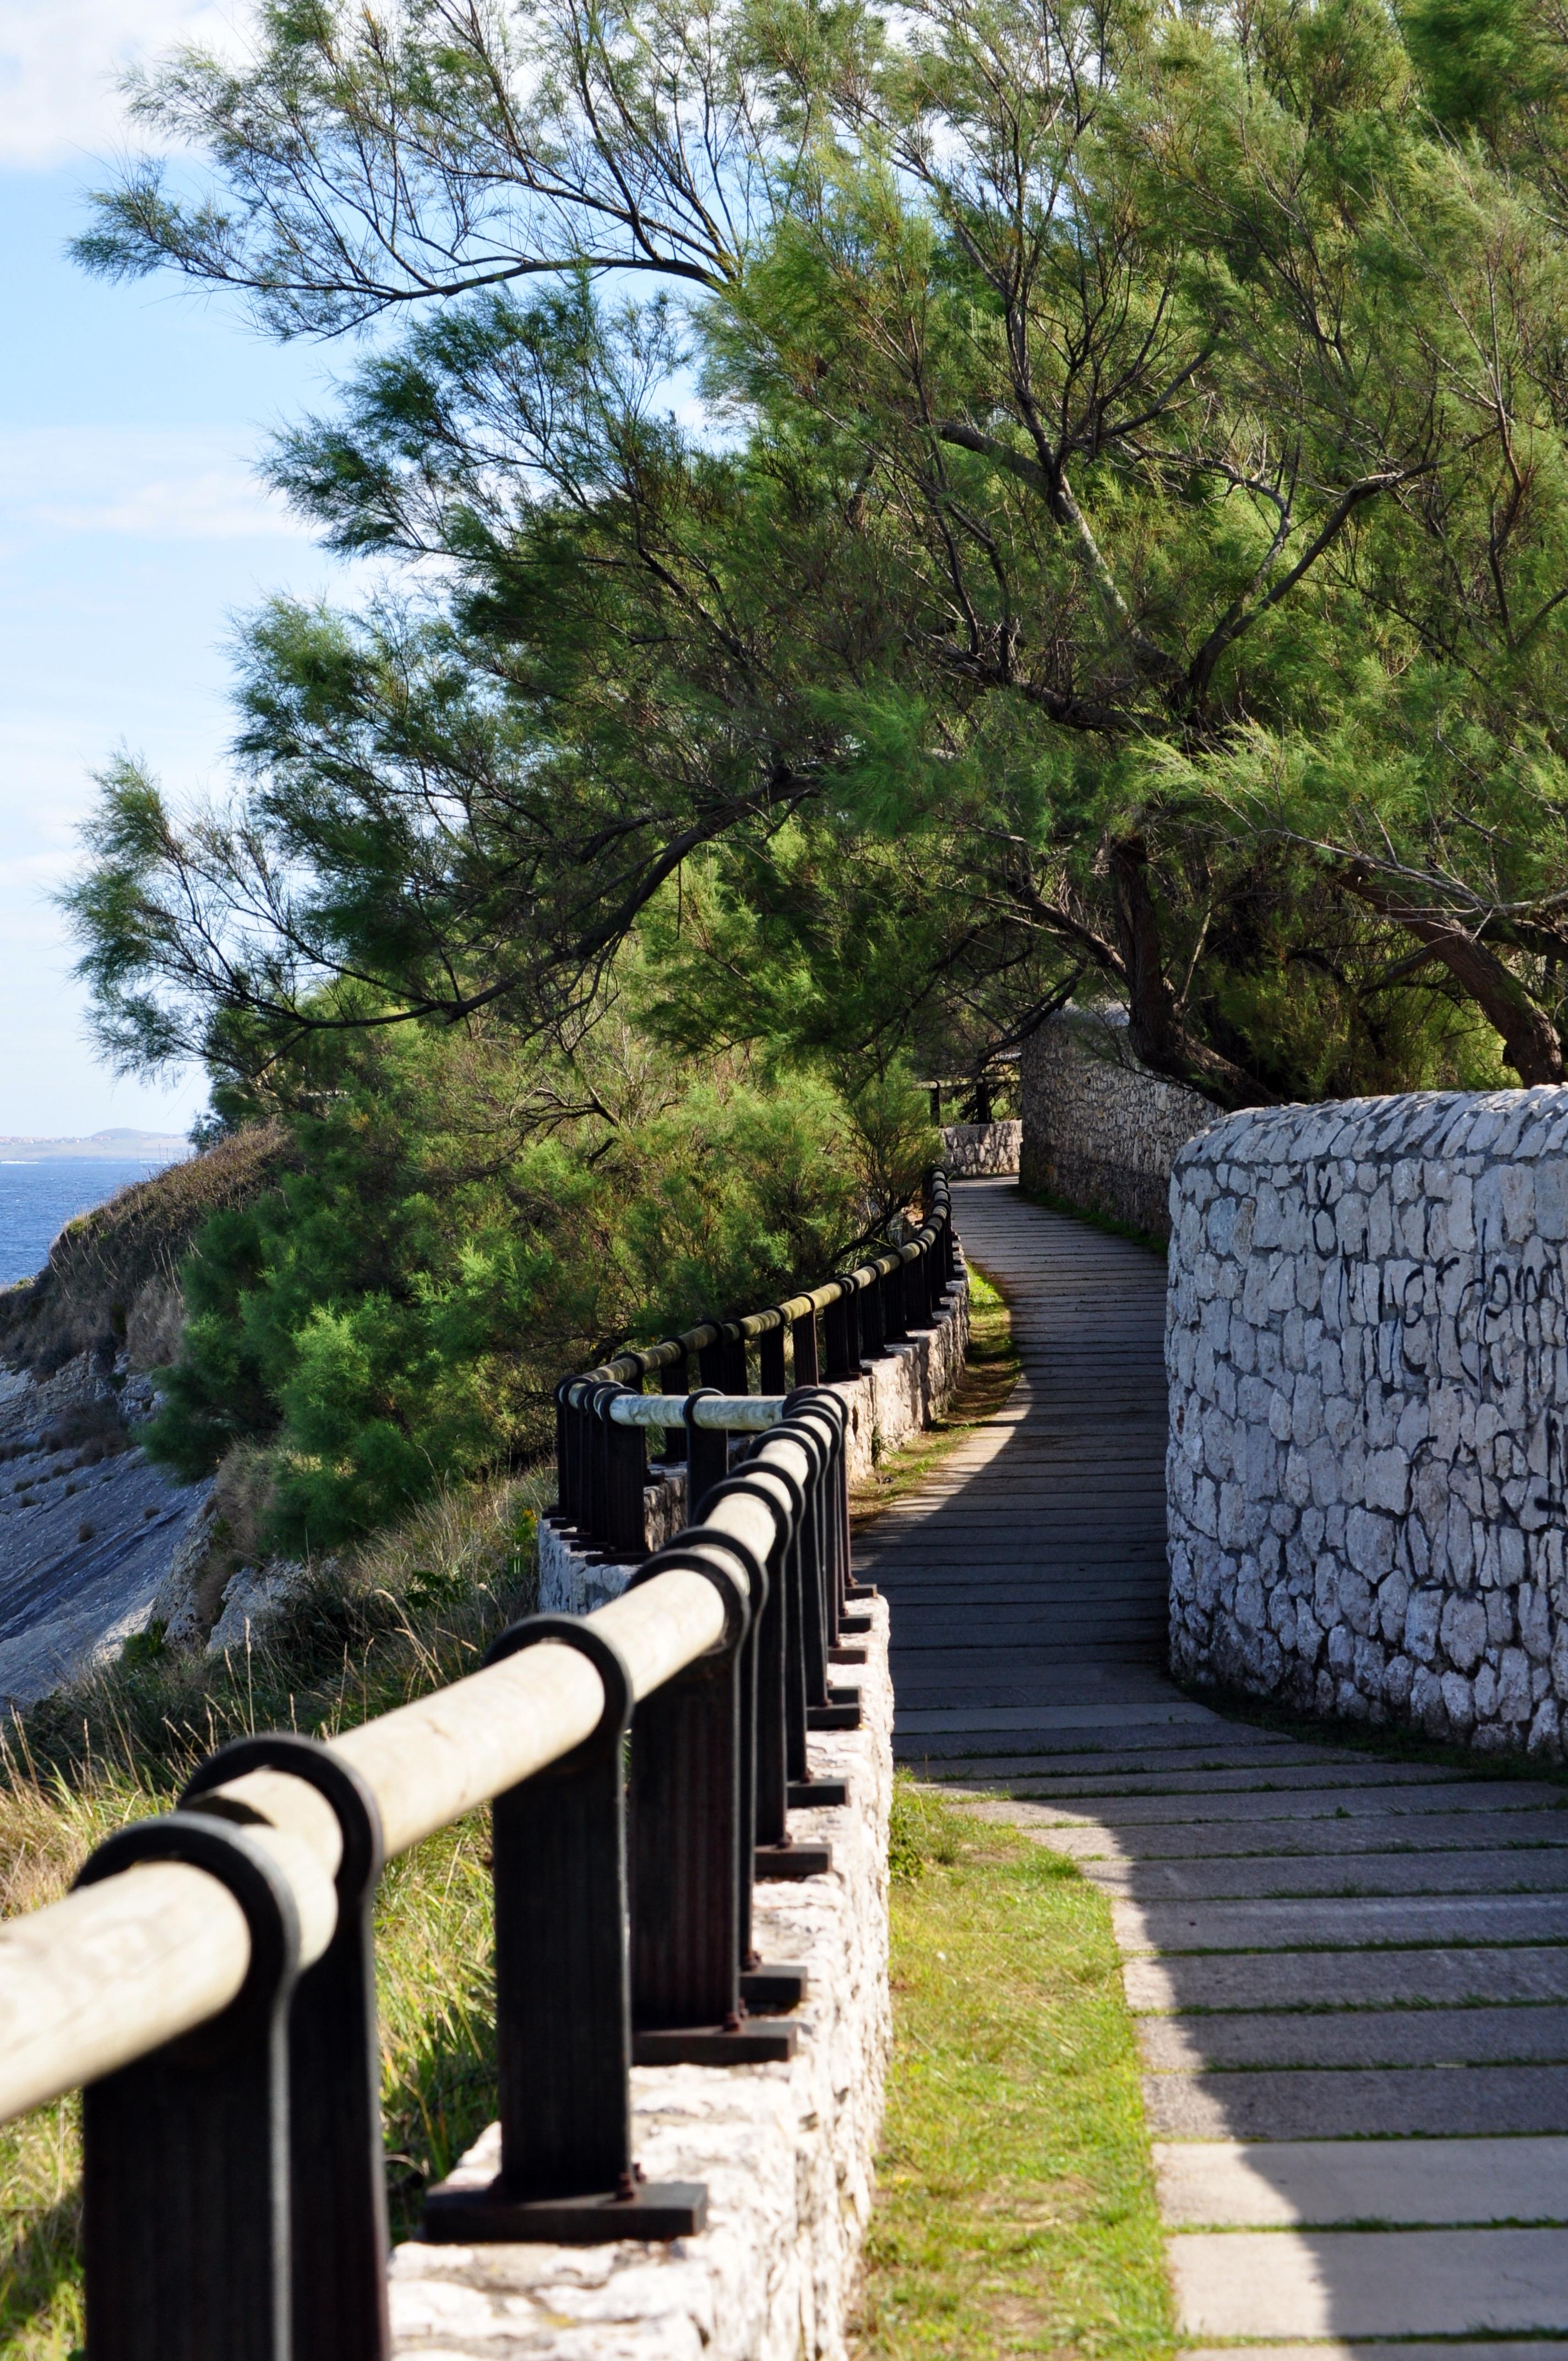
(842, 1655)
(844, 1713)
(488, 2216)
(851, 1623)
(773, 1987)
(862, 1590)
(818, 1795)
(790, 1862)
(755, 2041)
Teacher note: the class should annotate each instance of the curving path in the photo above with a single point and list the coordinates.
(1350, 1978)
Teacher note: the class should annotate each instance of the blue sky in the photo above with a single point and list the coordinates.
(132, 531)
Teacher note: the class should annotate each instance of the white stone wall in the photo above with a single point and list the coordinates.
(1099, 1128)
(980, 1151)
(787, 2150)
(892, 1399)
(1368, 1348)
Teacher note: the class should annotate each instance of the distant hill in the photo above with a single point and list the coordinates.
(119, 1146)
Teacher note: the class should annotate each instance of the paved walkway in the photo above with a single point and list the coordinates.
(1350, 1978)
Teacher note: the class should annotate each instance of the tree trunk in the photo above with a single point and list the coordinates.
(1530, 1042)
(1155, 1033)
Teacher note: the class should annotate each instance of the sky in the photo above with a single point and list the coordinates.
(132, 531)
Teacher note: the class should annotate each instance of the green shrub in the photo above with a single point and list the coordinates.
(392, 1315)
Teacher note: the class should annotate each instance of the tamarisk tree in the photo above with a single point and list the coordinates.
(965, 503)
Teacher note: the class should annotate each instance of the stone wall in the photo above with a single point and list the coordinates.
(1099, 1128)
(980, 1151)
(889, 1401)
(1367, 1346)
(787, 2150)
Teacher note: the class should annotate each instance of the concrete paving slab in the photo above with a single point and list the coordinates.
(1525, 1869)
(1085, 1714)
(1315, 2183)
(1336, 2348)
(1350, 2283)
(1354, 2037)
(1348, 2103)
(1503, 1833)
(1345, 1979)
(1377, 1787)
(1339, 1924)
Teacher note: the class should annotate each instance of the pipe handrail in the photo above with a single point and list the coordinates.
(92, 1981)
(211, 1981)
(635, 1364)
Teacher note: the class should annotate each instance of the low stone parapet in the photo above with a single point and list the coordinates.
(1098, 1127)
(893, 1398)
(981, 1151)
(1367, 1350)
(787, 2150)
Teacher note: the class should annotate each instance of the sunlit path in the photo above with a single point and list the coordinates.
(1349, 1976)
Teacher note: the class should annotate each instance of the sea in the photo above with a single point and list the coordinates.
(36, 1201)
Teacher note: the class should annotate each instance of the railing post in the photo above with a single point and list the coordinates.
(595, 1467)
(841, 1334)
(771, 1377)
(686, 1836)
(736, 1378)
(185, 2153)
(804, 1338)
(626, 1473)
(562, 1998)
(708, 1453)
(336, 2173)
(676, 1379)
(869, 1301)
(893, 1329)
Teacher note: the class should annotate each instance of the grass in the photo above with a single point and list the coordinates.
(1016, 2210)
(991, 1372)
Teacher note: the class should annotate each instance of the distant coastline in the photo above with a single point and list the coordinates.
(117, 1147)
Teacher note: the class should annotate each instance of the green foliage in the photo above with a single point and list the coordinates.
(1120, 544)
(392, 1315)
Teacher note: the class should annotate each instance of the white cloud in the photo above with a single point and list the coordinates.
(157, 483)
(60, 61)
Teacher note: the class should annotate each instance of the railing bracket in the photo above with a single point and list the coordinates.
(657, 2209)
(774, 1990)
(755, 2041)
(788, 1864)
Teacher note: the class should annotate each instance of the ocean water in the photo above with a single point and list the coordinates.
(37, 1199)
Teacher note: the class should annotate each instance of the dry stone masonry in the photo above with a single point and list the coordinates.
(1098, 1127)
(1368, 1349)
(980, 1151)
(786, 2150)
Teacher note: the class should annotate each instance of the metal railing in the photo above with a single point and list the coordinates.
(602, 1439)
(211, 1978)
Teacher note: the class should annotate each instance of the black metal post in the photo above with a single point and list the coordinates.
(337, 2174)
(803, 1337)
(626, 1473)
(185, 2153)
(771, 1379)
(735, 1377)
(562, 1998)
(839, 1335)
(708, 1453)
(870, 1303)
(687, 1835)
(676, 1379)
